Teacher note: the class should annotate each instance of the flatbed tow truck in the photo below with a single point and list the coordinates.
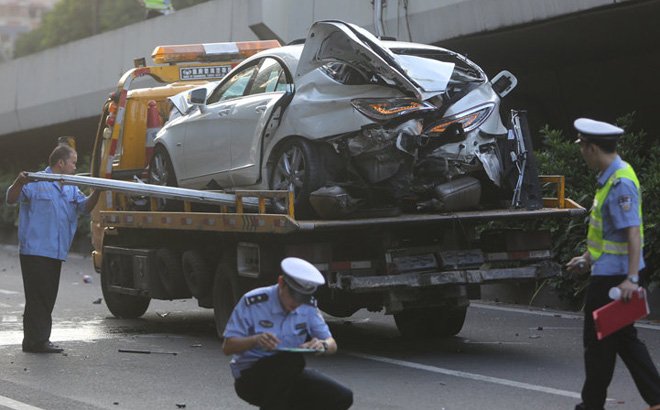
(422, 268)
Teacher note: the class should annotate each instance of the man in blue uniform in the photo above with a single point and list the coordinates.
(614, 254)
(267, 326)
(48, 217)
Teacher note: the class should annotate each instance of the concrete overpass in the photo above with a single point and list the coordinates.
(577, 57)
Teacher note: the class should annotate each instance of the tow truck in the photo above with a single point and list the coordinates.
(422, 268)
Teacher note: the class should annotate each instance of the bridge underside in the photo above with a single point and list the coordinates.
(600, 63)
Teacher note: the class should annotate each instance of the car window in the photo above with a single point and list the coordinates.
(234, 87)
(344, 73)
(271, 77)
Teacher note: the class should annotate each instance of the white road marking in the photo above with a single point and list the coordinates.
(16, 405)
(9, 319)
(9, 292)
(563, 315)
(4, 305)
(465, 375)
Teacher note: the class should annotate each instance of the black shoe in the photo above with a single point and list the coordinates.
(45, 347)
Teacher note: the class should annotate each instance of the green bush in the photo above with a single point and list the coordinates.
(560, 155)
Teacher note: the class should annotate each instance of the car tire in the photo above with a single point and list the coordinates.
(161, 172)
(297, 165)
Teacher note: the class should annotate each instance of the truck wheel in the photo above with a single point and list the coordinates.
(168, 265)
(120, 305)
(226, 293)
(430, 322)
(161, 172)
(296, 166)
(196, 273)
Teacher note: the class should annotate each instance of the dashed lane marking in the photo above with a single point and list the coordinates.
(16, 405)
(9, 292)
(470, 376)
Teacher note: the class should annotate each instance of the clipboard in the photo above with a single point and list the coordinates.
(296, 350)
(618, 314)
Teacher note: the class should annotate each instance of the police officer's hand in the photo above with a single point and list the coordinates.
(315, 344)
(627, 289)
(578, 264)
(267, 341)
(22, 178)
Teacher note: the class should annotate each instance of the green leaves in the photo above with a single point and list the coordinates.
(72, 20)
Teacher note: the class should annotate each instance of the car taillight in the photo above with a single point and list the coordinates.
(386, 109)
(469, 120)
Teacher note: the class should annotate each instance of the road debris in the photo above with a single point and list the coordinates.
(145, 351)
(163, 314)
(98, 301)
(87, 279)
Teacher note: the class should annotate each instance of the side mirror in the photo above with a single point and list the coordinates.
(503, 83)
(198, 96)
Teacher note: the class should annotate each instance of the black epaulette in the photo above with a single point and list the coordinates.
(254, 299)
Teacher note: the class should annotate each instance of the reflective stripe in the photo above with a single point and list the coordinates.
(595, 242)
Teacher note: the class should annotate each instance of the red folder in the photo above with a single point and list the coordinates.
(617, 314)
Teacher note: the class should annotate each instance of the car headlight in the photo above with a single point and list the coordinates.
(387, 108)
(469, 120)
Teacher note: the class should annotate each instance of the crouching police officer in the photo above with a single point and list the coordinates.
(614, 253)
(266, 323)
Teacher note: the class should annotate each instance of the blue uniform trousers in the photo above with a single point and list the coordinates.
(41, 280)
(600, 356)
(281, 382)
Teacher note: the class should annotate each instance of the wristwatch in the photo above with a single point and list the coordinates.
(634, 279)
(325, 345)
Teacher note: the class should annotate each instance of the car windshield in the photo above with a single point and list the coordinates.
(463, 71)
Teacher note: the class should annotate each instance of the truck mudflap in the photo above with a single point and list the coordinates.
(354, 283)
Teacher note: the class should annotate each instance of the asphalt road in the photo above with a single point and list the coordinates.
(506, 357)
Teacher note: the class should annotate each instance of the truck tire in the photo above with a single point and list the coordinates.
(196, 273)
(430, 322)
(226, 292)
(296, 165)
(121, 305)
(169, 268)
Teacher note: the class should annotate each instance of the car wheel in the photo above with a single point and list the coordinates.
(161, 172)
(226, 292)
(297, 167)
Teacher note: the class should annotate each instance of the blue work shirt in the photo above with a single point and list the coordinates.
(260, 311)
(48, 218)
(619, 212)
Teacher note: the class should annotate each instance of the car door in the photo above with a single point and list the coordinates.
(209, 131)
(251, 115)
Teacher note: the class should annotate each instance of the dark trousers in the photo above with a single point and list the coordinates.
(41, 279)
(282, 382)
(600, 356)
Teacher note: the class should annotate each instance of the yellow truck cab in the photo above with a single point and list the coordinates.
(132, 116)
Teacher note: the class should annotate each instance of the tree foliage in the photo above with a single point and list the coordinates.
(72, 20)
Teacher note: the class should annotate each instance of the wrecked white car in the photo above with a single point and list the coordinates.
(346, 121)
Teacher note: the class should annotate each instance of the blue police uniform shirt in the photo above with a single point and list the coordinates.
(619, 212)
(48, 218)
(260, 311)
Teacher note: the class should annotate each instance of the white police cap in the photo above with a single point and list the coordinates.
(592, 130)
(301, 276)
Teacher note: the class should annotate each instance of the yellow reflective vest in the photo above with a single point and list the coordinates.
(595, 242)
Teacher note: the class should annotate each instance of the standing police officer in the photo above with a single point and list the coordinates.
(265, 326)
(614, 254)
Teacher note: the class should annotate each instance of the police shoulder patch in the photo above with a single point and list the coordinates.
(254, 299)
(625, 202)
